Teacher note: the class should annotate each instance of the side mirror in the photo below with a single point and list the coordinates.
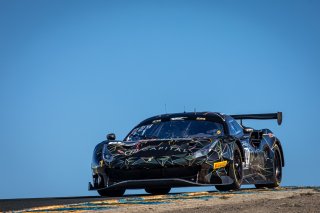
(247, 130)
(111, 136)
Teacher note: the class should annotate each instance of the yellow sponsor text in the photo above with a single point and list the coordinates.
(219, 165)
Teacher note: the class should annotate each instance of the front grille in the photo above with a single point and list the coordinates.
(156, 173)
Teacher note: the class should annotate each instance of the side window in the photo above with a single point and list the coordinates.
(235, 128)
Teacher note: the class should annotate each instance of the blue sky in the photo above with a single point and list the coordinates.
(72, 71)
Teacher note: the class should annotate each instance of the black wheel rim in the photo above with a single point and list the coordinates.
(277, 167)
(237, 165)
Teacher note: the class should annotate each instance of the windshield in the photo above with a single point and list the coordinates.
(176, 129)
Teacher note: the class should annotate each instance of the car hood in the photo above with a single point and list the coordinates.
(157, 147)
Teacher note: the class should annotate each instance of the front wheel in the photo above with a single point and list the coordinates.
(235, 172)
(277, 170)
(111, 193)
(158, 191)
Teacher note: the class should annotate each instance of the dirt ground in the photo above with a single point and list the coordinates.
(302, 202)
(282, 200)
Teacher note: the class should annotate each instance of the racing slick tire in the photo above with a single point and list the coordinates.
(111, 193)
(235, 172)
(277, 170)
(158, 191)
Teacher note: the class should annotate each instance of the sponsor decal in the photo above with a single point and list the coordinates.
(178, 118)
(120, 151)
(219, 165)
(156, 148)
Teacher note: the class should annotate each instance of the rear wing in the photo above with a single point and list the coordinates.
(266, 116)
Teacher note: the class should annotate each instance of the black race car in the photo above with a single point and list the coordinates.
(189, 149)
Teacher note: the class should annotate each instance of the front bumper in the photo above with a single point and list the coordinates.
(202, 167)
(169, 182)
(203, 175)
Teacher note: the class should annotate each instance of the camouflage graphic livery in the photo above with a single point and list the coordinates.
(189, 149)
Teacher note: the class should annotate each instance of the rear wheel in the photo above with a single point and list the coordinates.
(158, 191)
(111, 193)
(235, 172)
(277, 170)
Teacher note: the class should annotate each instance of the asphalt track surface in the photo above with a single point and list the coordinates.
(89, 203)
(27, 203)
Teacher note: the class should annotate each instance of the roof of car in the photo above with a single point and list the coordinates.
(212, 116)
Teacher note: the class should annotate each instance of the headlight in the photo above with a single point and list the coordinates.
(106, 155)
(205, 150)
